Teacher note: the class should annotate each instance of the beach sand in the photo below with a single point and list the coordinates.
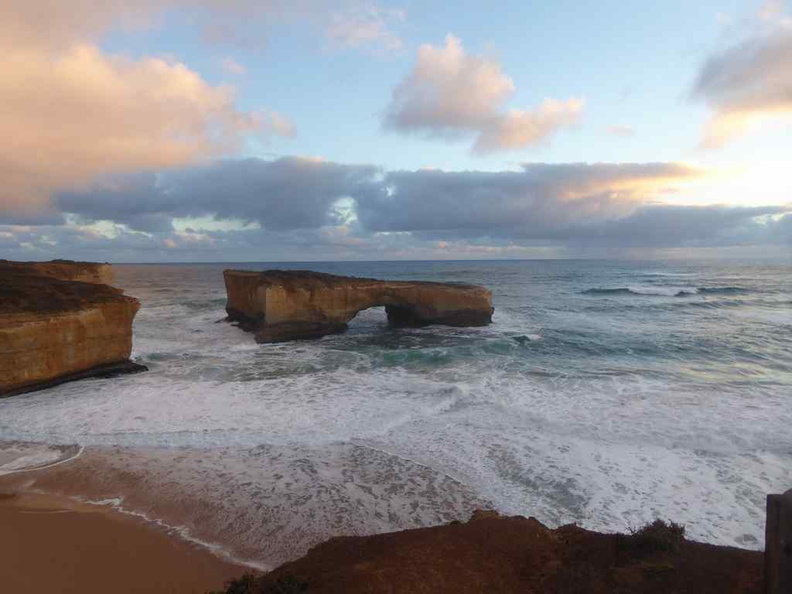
(50, 545)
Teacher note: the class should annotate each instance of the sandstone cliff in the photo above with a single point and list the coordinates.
(290, 304)
(54, 330)
(515, 555)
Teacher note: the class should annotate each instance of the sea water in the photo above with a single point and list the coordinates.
(604, 393)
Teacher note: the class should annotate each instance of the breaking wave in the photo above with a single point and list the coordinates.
(666, 291)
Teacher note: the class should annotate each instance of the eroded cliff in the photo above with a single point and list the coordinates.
(283, 305)
(55, 329)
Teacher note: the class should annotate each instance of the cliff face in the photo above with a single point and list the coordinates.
(288, 304)
(54, 330)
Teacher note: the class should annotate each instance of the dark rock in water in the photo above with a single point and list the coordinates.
(55, 329)
(281, 305)
(522, 339)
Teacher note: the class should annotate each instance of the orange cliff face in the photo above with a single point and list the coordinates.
(58, 323)
(283, 305)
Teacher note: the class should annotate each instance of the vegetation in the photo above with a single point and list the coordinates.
(657, 537)
(249, 583)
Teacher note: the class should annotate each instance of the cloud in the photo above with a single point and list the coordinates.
(620, 130)
(366, 24)
(70, 117)
(748, 82)
(231, 66)
(307, 208)
(283, 195)
(518, 128)
(72, 112)
(448, 91)
(276, 123)
(531, 202)
(452, 94)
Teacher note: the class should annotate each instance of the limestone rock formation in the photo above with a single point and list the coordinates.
(283, 305)
(54, 328)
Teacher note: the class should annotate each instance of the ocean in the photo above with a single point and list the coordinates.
(605, 393)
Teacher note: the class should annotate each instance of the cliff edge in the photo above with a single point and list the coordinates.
(68, 270)
(283, 305)
(59, 323)
(514, 555)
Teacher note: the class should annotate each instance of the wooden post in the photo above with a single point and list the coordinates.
(778, 544)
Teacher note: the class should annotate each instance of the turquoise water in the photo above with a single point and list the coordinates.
(604, 393)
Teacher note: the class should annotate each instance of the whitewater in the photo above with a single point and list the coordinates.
(604, 393)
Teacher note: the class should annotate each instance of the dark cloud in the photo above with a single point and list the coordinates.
(537, 199)
(681, 226)
(309, 209)
(285, 194)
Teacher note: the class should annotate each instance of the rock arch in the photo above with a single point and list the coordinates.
(281, 305)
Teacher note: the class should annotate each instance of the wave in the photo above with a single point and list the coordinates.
(723, 291)
(666, 291)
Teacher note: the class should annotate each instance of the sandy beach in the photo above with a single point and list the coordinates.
(57, 546)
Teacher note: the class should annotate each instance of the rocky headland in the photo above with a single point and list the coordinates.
(514, 555)
(59, 321)
(281, 305)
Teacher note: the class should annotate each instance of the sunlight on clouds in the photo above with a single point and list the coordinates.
(737, 184)
(71, 117)
(749, 83)
(452, 94)
(519, 128)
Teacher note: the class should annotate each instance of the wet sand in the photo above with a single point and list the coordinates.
(50, 545)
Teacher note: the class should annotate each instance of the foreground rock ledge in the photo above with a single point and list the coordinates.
(59, 322)
(281, 305)
(512, 555)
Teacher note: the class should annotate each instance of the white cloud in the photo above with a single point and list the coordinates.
(772, 10)
(448, 91)
(366, 24)
(450, 94)
(231, 66)
(277, 123)
(620, 130)
(520, 128)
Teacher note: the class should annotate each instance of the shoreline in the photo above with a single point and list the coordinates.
(92, 546)
(86, 547)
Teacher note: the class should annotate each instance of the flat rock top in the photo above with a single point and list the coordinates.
(25, 289)
(62, 269)
(308, 279)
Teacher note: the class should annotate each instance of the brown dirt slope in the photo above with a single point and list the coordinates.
(492, 554)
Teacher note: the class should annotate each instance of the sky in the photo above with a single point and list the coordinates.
(299, 130)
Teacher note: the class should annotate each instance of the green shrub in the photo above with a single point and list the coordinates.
(657, 537)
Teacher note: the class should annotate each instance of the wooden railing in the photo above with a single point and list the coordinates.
(778, 544)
